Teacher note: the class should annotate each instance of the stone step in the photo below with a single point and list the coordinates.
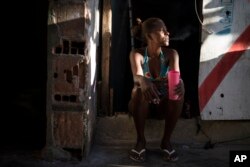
(120, 129)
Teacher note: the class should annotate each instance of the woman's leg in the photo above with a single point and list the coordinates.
(139, 109)
(172, 110)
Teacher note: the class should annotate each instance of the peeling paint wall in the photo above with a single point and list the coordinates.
(224, 61)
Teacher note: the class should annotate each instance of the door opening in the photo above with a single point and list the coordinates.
(184, 27)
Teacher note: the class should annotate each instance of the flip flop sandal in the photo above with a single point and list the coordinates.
(170, 155)
(138, 156)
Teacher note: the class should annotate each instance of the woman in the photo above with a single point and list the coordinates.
(150, 65)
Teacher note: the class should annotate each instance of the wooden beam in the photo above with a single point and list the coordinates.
(106, 44)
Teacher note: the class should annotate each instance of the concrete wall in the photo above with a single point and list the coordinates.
(92, 26)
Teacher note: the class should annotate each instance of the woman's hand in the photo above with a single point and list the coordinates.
(180, 89)
(149, 91)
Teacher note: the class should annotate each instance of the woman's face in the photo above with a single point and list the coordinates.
(160, 36)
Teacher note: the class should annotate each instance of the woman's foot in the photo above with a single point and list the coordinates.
(138, 153)
(138, 156)
(169, 154)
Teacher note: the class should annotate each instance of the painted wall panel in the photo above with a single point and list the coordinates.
(224, 72)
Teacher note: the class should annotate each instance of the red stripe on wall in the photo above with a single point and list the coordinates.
(216, 76)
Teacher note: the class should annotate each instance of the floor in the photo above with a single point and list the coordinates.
(110, 147)
(192, 155)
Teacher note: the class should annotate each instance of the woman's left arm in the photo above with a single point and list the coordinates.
(174, 65)
(173, 60)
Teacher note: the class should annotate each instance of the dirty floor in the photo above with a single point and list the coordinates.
(190, 155)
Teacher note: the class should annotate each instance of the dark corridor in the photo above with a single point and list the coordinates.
(23, 109)
(184, 27)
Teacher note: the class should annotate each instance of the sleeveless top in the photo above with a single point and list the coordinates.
(161, 80)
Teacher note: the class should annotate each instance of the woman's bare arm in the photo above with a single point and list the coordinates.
(174, 65)
(148, 89)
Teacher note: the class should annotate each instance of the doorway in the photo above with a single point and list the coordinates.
(181, 20)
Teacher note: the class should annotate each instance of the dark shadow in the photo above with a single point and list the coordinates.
(23, 113)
